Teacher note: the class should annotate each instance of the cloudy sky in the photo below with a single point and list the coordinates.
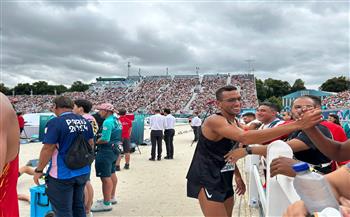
(65, 41)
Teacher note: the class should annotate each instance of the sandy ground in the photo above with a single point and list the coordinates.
(149, 188)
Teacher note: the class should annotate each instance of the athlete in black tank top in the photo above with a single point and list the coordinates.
(207, 163)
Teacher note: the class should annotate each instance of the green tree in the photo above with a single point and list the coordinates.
(336, 84)
(276, 88)
(41, 88)
(23, 89)
(5, 90)
(298, 85)
(78, 86)
(59, 89)
(260, 89)
(277, 101)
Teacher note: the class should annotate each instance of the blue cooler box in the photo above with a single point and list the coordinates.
(39, 202)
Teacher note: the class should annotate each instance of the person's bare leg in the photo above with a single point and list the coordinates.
(114, 181)
(229, 202)
(24, 197)
(211, 208)
(127, 158)
(89, 196)
(107, 186)
(118, 161)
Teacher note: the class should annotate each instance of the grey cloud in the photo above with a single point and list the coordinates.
(62, 38)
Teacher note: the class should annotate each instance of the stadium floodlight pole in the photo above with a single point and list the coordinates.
(167, 71)
(250, 65)
(197, 70)
(129, 69)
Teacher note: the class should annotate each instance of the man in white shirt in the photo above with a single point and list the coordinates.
(169, 133)
(157, 123)
(196, 122)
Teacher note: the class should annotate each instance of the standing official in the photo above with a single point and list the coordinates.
(157, 122)
(126, 135)
(196, 122)
(169, 133)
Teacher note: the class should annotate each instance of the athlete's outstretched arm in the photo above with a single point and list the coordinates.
(220, 126)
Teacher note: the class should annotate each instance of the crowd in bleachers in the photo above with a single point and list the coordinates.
(338, 101)
(246, 83)
(152, 92)
(177, 94)
(210, 84)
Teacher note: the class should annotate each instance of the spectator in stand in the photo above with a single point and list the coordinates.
(333, 118)
(126, 136)
(287, 116)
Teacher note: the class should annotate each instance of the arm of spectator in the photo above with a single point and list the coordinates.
(338, 151)
(282, 166)
(240, 186)
(45, 156)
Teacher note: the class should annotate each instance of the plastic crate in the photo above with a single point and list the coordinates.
(39, 202)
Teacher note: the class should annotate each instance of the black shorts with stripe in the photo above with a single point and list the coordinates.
(193, 190)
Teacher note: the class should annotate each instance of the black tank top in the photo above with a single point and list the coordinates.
(207, 162)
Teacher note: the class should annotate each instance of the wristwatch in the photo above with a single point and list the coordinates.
(248, 149)
(38, 171)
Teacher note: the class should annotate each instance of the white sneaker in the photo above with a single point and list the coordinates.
(113, 201)
(100, 207)
(89, 214)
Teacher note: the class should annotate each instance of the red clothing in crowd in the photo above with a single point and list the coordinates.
(338, 134)
(20, 121)
(126, 125)
(8, 190)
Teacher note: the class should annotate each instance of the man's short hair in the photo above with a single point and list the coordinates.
(271, 105)
(63, 102)
(122, 111)
(218, 93)
(251, 114)
(84, 103)
(316, 100)
(157, 111)
(167, 111)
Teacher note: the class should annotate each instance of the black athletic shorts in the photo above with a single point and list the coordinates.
(212, 195)
(126, 145)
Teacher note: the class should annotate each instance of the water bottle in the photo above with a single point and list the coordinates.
(313, 189)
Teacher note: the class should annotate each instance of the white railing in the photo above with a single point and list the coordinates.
(280, 191)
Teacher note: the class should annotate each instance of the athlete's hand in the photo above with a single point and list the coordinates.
(309, 118)
(282, 166)
(240, 186)
(345, 206)
(36, 177)
(234, 155)
(297, 209)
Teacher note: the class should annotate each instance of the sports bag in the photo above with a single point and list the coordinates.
(80, 153)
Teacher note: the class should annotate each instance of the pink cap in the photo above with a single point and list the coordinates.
(105, 106)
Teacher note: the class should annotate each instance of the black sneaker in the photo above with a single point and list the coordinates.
(126, 166)
(117, 168)
(152, 159)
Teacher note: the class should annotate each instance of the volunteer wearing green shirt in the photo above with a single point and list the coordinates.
(106, 156)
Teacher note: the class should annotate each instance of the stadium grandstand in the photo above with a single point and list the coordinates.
(183, 94)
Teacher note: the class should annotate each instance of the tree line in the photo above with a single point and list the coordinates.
(42, 88)
(270, 89)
